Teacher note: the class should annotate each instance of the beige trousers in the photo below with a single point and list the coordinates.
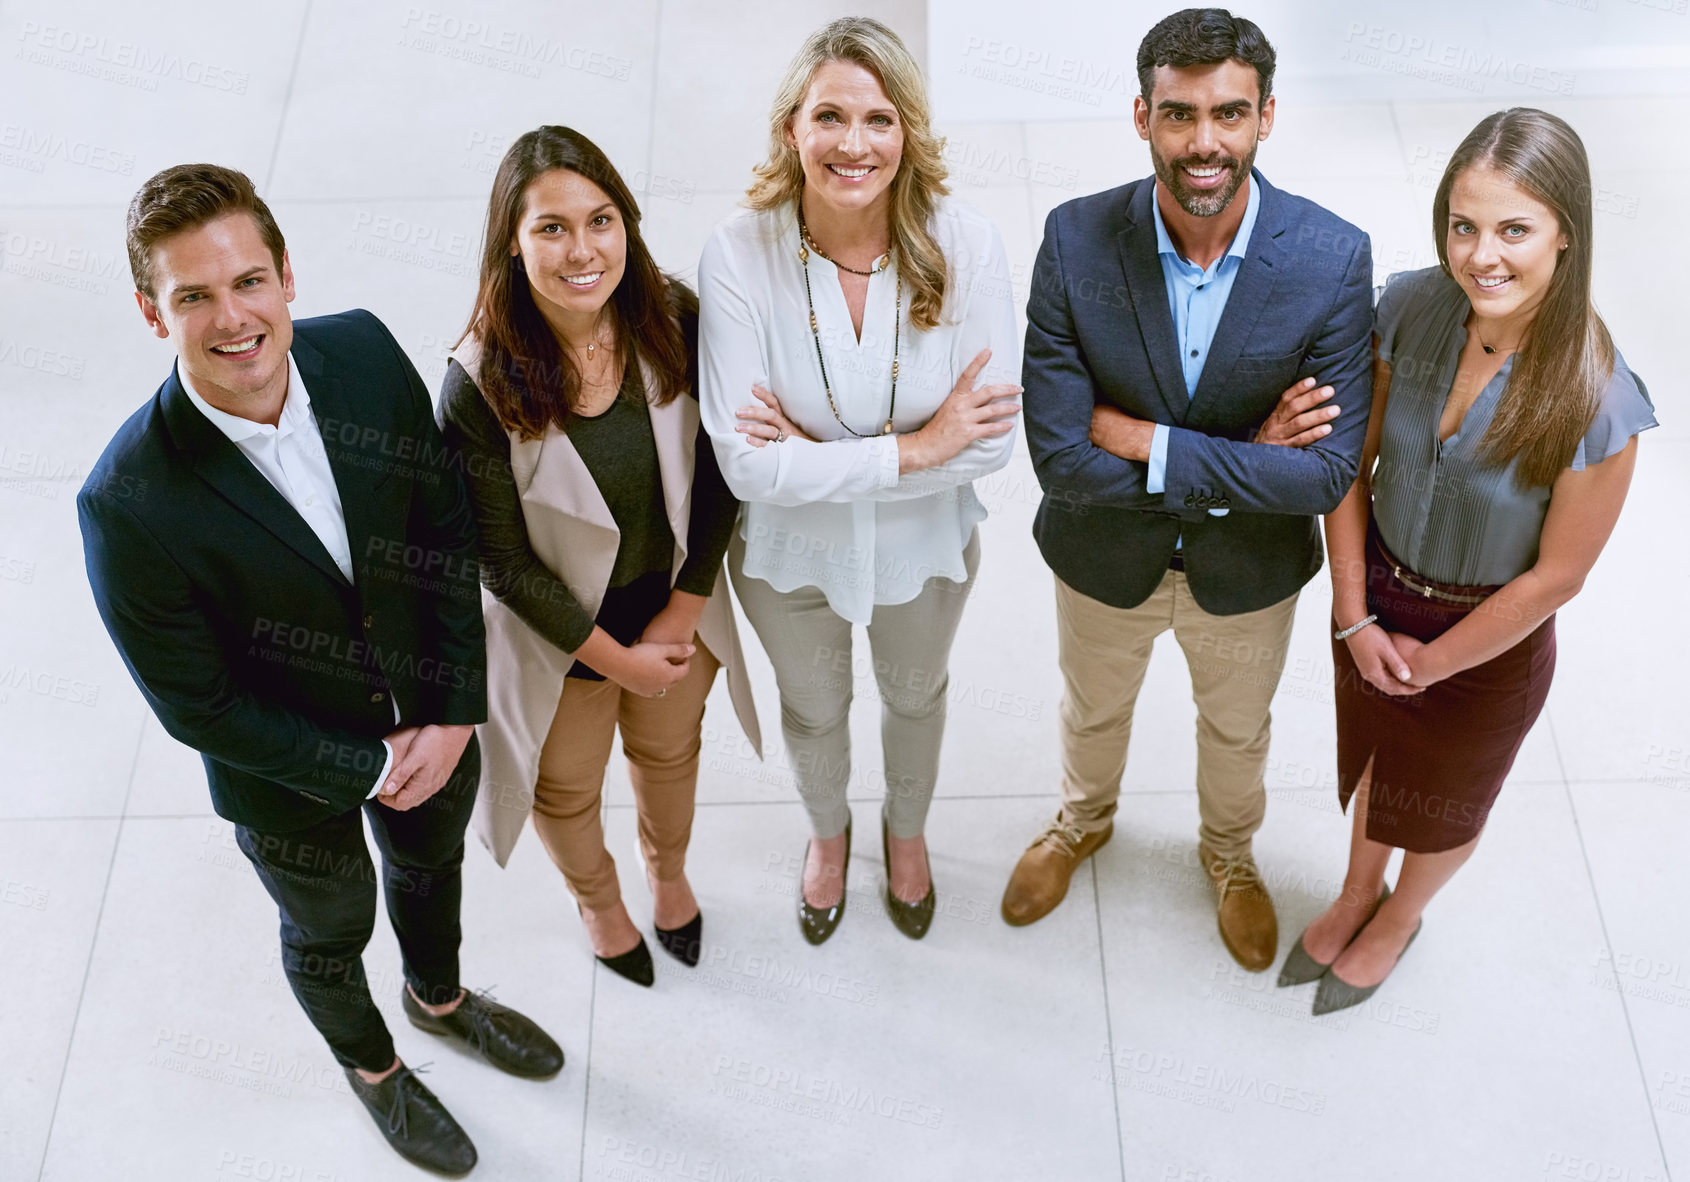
(660, 737)
(1235, 663)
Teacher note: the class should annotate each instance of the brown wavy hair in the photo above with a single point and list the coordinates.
(920, 180)
(187, 197)
(1567, 357)
(526, 376)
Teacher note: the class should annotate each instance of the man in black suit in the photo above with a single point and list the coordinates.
(1180, 327)
(285, 558)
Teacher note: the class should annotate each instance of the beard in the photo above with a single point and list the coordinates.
(1201, 203)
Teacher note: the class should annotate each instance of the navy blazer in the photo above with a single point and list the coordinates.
(1100, 332)
(242, 633)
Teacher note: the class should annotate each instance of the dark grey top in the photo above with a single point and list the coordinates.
(1441, 509)
(620, 452)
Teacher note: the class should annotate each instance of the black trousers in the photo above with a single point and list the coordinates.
(324, 885)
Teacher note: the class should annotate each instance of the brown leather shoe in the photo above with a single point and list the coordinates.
(1040, 880)
(1245, 912)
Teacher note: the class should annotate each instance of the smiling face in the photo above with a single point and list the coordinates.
(1203, 124)
(848, 136)
(222, 303)
(573, 244)
(1503, 243)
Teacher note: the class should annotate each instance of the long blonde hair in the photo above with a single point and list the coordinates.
(920, 181)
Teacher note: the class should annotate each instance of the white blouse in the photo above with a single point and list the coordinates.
(835, 514)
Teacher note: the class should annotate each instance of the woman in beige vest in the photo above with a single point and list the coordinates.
(603, 521)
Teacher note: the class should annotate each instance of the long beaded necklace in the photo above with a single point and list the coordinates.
(807, 244)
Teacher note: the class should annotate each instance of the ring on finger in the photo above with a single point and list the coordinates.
(780, 436)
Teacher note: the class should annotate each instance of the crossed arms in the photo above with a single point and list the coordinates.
(1097, 453)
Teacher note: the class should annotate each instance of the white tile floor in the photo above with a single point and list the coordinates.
(1539, 1030)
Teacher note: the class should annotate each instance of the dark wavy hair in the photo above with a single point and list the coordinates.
(1205, 37)
(526, 376)
(1567, 358)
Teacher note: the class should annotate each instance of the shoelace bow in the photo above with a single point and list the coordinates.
(1242, 871)
(481, 1019)
(399, 1117)
(1066, 838)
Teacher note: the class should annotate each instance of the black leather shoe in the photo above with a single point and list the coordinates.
(497, 1033)
(817, 923)
(685, 942)
(415, 1123)
(912, 919)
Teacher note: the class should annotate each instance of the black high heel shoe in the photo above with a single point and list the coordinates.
(634, 964)
(817, 923)
(685, 942)
(912, 919)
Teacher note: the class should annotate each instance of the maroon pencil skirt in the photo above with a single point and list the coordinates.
(1440, 756)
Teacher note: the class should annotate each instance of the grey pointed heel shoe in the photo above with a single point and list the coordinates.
(1336, 994)
(1300, 968)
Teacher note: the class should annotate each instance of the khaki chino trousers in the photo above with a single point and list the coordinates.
(661, 738)
(1235, 664)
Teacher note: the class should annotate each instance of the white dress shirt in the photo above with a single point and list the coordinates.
(291, 456)
(835, 514)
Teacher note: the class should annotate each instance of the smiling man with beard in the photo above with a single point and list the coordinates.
(1197, 377)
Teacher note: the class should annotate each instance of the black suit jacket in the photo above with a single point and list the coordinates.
(1099, 331)
(244, 636)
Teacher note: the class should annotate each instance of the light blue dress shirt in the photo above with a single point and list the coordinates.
(1196, 297)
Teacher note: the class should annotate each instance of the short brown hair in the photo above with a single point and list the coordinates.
(186, 197)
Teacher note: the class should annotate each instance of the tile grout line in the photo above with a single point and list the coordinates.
(1602, 919)
(287, 97)
(704, 804)
(93, 945)
(1108, 1021)
(651, 112)
(587, 1073)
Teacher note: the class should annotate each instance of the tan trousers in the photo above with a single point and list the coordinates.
(1235, 664)
(660, 737)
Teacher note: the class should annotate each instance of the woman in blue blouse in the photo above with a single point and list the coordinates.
(1504, 425)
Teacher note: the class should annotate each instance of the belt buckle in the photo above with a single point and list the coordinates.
(1424, 588)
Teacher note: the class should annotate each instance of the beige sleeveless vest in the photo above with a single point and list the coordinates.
(573, 533)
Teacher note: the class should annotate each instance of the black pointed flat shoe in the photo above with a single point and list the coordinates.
(415, 1122)
(685, 942)
(1300, 968)
(497, 1033)
(817, 923)
(912, 919)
